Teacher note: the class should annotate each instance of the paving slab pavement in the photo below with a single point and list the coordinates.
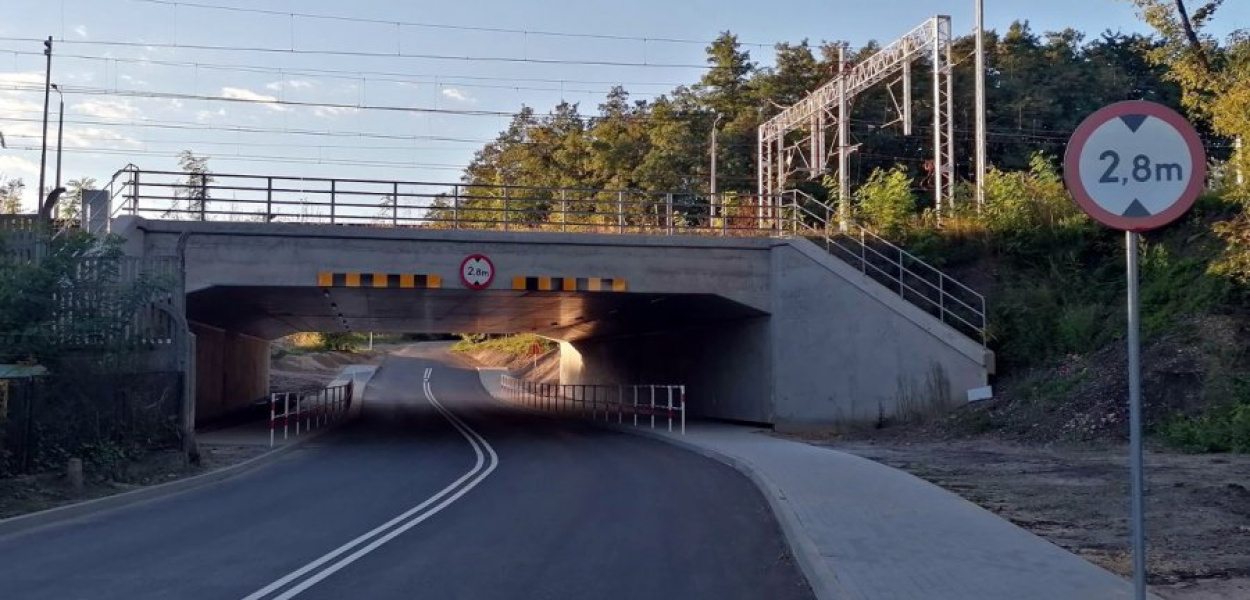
(882, 534)
(865, 531)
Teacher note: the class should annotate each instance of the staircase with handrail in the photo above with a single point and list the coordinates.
(915, 280)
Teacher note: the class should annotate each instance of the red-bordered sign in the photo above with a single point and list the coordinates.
(1135, 165)
(476, 271)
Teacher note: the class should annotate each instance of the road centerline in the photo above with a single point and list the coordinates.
(487, 461)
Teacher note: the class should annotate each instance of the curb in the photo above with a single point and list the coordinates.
(823, 581)
(26, 522)
(820, 577)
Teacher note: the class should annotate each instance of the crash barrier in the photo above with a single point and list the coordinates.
(610, 403)
(306, 411)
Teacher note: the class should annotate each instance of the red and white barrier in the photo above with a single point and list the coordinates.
(307, 410)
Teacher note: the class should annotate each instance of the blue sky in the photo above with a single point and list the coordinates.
(113, 119)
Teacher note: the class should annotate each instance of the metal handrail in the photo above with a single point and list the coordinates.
(233, 197)
(858, 244)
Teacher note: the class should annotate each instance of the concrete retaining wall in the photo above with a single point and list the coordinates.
(725, 368)
(231, 371)
(847, 350)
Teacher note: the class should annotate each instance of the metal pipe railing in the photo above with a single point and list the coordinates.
(915, 280)
(610, 403)
(307, 411)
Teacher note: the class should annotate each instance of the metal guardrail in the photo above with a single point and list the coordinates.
(915, 280)
(414, 204)
(667, 402)
(307, 410)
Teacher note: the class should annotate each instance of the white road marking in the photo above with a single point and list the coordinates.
(397, 526)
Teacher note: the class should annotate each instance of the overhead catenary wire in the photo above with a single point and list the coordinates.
(415, 24)
(357, 75)
(269, 158)
(364, 54)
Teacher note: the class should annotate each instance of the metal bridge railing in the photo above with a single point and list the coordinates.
(413, 204)
(611, 403)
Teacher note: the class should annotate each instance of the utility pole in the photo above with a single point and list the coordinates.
(43, 153)
(60, 133)
(712, 183)
(844, 146)
(980, 111)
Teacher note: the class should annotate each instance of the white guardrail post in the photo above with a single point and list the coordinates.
(273, 399)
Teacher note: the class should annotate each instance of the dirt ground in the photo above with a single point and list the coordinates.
(1198, 506)
(544, 368)
(312, 371)
(30, 493)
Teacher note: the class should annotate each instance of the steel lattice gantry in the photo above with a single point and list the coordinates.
(797, 139)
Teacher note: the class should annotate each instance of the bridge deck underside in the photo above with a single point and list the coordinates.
(274, 311)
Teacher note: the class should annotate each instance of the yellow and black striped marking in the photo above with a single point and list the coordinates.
(569, 284)
(327, 279)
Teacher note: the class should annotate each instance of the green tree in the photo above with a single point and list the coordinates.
(11, 196)
(1214, 76)
(71, 204)
(193, 187)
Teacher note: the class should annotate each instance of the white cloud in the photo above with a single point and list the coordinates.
(459, 95)
(250, 96)
(289, 84)
(133, 81)
(208, 115)
(109, 110)
(81, 30)
(14, 167)
(24, 79)
(326, 112)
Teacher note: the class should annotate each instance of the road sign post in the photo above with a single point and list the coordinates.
(1135, 166)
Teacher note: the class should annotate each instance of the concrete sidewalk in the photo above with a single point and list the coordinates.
(873, 532)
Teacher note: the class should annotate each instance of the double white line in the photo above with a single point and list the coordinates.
(317, 570)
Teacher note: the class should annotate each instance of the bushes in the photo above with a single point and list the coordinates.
(516, 345)
(1222, 428)
(340, 342)
(886, 201)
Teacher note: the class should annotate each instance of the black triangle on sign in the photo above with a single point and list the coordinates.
(1136, 210)
(1133, 121)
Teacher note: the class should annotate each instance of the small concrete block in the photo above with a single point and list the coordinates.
(981, 393)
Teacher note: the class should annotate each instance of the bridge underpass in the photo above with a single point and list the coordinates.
(769, 329)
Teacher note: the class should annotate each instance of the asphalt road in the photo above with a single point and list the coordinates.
(434, 492)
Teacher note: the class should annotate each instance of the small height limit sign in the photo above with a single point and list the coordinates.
(1135, 166)
(477, 271)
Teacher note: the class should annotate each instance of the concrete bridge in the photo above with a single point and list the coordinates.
(731, 297)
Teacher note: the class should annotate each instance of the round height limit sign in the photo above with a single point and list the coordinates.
(477, 271)
(1135, 166)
